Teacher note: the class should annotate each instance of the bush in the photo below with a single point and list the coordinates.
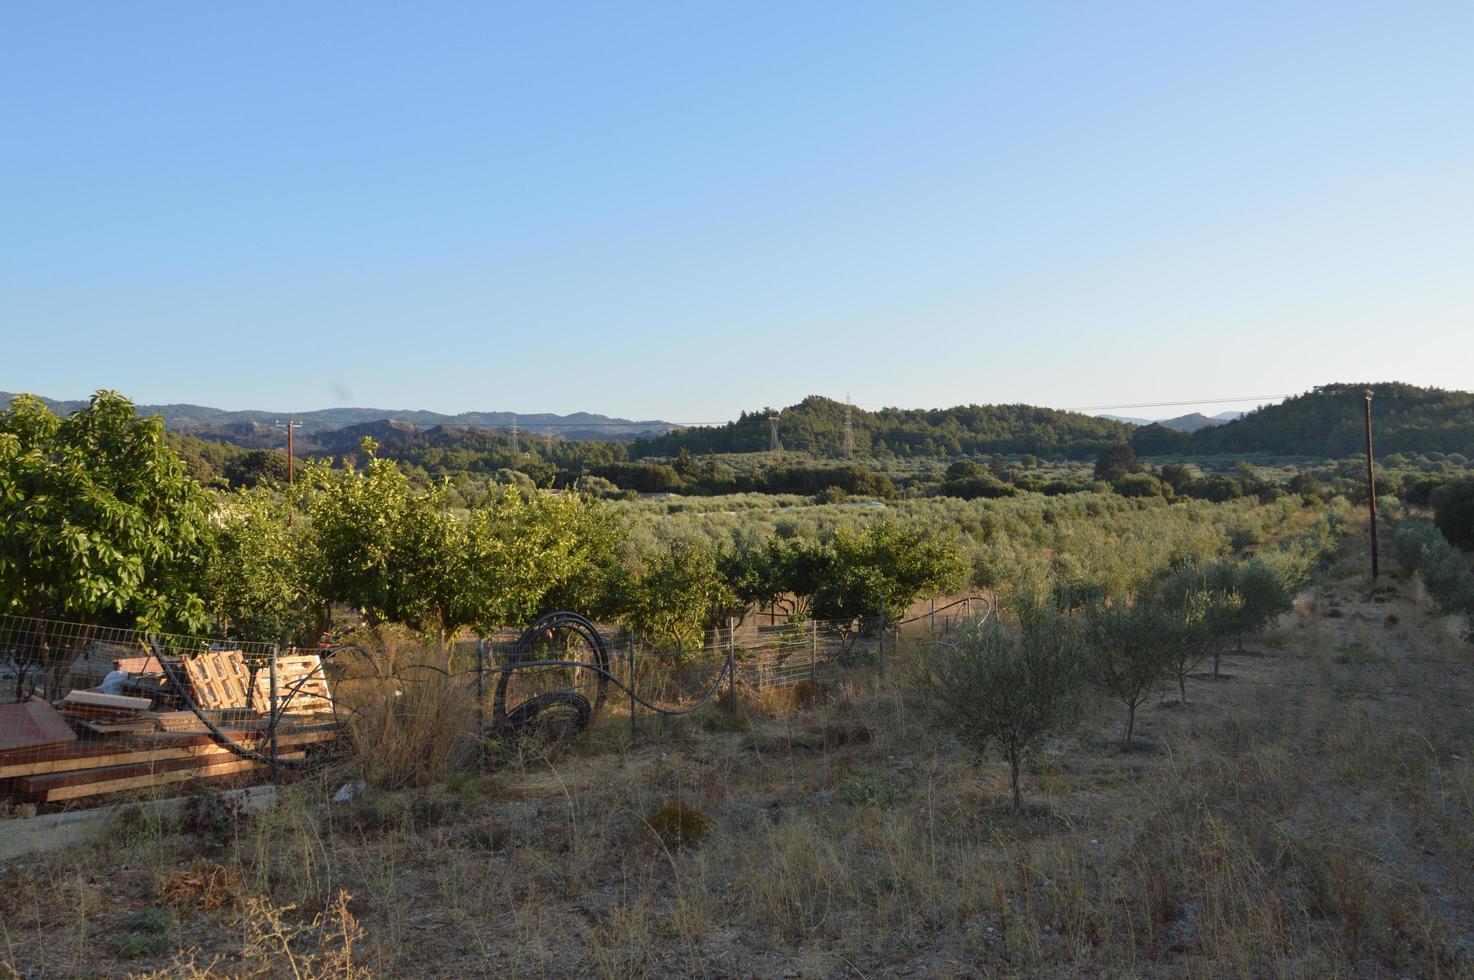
(1453, 513)
(677, 825)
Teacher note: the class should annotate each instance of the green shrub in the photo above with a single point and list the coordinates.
(677, 825)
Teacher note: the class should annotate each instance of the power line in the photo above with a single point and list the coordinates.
(1195, 401)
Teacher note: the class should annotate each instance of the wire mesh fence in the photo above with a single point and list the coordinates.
(88, 711)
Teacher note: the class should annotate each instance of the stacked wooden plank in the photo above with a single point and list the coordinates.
(135, 741)
(61, 773)
(107, 714)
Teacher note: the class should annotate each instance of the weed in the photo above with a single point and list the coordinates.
(677, 825)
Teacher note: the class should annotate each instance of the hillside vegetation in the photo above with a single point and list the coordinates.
(1330, 422)
(816, 425)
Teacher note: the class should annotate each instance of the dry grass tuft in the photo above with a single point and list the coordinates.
(411, 719)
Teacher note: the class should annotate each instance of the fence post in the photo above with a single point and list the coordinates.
(814, 656)
(882, 639)
(481, 693)
(932, 632)
(634, 731)
(731, 665)
(274, 714)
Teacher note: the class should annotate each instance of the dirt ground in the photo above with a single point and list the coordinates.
(1309, 814)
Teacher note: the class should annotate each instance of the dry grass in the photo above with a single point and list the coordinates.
(1311, 815)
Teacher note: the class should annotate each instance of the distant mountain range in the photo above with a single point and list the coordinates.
(1327, 422)
(1191, 422)
(259, 429)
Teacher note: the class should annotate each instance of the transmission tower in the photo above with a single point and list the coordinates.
(849, 427)
(516, 446)
(773, 444)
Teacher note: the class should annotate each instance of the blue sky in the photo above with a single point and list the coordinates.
(684, 210)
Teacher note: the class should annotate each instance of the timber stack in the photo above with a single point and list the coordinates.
(155, 722)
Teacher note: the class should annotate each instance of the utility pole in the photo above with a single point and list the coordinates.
(1371, 488)
(516, 448)
(290, 426)
(849, 428)
(773, 444)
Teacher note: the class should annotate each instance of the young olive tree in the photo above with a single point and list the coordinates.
(1201, 619)
(1261, 593)
(1130, 651)
(1006, 688)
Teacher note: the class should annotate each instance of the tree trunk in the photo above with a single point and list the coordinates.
(1182, 686)
(1130, 724)
(1215, 663)
(1013, 765)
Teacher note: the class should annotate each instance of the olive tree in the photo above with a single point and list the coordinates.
(1006, 687)
(1129, 652)
(1201, 616)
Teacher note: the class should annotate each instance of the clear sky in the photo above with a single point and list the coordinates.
(684, 210)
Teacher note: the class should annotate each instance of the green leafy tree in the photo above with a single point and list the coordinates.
(881, 570)
(98, 517)
(532, 553)
(258, 579)
(1453, 513)
(1116, 462)
(256, 466)
(1004, 688)
(675, 596)
(1131, 648)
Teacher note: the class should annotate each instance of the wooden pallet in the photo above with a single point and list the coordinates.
(301, 673)
(220, 679)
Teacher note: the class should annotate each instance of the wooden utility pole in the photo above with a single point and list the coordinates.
(1371, 488)
(291, 462)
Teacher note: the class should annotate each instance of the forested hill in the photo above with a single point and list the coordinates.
(1331, 422)
(816, 425)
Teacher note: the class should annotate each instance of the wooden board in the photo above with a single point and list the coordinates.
(220, 680)
(132, 726)
(119, 752)
(121, 782)
(139, 665)
(32, 724)
(299, 673)
(114, 702)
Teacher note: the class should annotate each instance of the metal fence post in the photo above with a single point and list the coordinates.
(814, 655)
(882, 640)
(481, 690)
(731, 665)
(274, 710)
(634, 731)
